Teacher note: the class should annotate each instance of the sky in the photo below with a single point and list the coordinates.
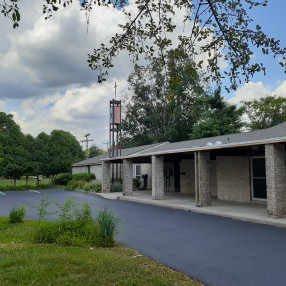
(45, 81)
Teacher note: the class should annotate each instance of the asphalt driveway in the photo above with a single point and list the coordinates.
(214, 250)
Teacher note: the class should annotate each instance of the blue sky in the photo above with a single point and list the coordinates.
(46, 84)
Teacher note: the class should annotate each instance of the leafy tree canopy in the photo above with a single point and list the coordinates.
(44, 155)
(220, 118)
(12, 143)
(164, 104)
(95, 151)
(265, 112)
(64, 150)
(221, 29)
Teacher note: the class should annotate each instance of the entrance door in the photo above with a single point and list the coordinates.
(258, 179)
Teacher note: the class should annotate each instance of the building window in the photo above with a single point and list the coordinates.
(88, 169)
(138, 171)
(258, 178)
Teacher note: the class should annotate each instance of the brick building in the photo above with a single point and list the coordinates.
(246, 167)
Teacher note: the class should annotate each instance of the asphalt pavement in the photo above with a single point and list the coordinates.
(215, 250)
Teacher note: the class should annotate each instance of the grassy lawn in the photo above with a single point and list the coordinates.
(22, 182)
(23, 262)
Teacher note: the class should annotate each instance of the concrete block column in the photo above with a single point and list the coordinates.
(157, 178)
(127, 177)
(106, 176)
(202, 178)
(275, 179)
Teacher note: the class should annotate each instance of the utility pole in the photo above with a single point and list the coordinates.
(86, 140)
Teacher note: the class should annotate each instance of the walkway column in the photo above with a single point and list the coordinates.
(157, 177)
(127, 177)
(275, 179)
(202, 178)
(106, 176)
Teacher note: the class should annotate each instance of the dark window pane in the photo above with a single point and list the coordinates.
(258, 166)
(259, 188)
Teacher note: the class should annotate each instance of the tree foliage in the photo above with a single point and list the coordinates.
(164, 105)
(95, 151)
(220, 118)
(46, 154)
(64, 150)
(221, 30)
(12, 142)
(265, 112)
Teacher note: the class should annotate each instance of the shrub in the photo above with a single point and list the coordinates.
(72, 233)
(75, 185)
(108, 224)
(118, 179)
(116, 187)
(17, 215)
(47, 233)
(93, 187)
(136, 184)
(84, 177)
(63, 179)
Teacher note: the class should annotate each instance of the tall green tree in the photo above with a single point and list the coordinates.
(95, 151)
(28, 160)
(40, 156)
(64, 150)
(13, 148)
(220, 118)
(164, 103)
(221, 30)
(265, 112)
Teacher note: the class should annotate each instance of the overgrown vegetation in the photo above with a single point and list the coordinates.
(94, 186)
(17, 215)
(75, 225)
(87, 177)
(24, 262)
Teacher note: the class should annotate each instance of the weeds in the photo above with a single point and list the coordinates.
(17, 215)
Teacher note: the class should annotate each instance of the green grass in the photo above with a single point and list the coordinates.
(26, 263)
(22, 183)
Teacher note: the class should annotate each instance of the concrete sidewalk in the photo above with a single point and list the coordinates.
(252, 212)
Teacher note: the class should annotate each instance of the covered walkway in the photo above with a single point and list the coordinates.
(252, 212)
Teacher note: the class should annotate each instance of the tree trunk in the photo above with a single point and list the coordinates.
(27, 180)
(15, 182)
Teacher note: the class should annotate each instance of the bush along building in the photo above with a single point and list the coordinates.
(245, 167)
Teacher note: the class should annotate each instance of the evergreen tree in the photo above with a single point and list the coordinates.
(220, 118)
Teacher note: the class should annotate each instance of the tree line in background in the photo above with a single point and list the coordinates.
(24, 155)
(168, 100)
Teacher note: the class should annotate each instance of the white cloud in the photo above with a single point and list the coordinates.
(250, 91)
(281, 90)
(79, 110)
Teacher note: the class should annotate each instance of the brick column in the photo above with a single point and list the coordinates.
(127, 177)
(157, 178)
(202, 178)
(275, 179)
(106, 176)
